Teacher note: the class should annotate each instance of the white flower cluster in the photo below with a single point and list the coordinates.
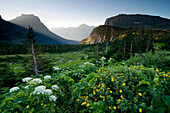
(26, 79)
(37, 80)
(14, 89)
(55, 87)
(48, 91)
(47, 77)
(39, 90)
(52, 98)
(87, 63)
(103, 58)
(110, 59)
(56, 68)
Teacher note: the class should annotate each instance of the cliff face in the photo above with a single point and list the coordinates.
(138, 21)
(99, 34)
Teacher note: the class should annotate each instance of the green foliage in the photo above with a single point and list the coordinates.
(113, 87)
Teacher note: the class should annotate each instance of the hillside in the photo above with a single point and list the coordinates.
(26, 20)
(138, 21)
(74, 33)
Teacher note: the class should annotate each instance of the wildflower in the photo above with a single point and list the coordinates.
(119, 100)
(47, 77)
(97, 90)
(37, 80)
(14, 89)
(110, 91)
(140, 94)
(94, 92)
(157, 70)
(41, 103)
(26, 79)
(114, 107)
(26, 87)
(52, 98)
(120, 91)
(56, 68)
(88, 104)
(109, 107)
(121, 96)
(113, 87)
(48, 91)
(55, 87)
(78, 100)
(140, 110)
(103, 99)
(83, 103)
(100, 78)
(28, 106)
(39, 90)
(112, 79)
(123, 84)
(95, 99)
(142, 68)
(103, 58)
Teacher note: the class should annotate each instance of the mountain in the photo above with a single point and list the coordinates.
(75, 33)
(11, 33)
(98, 35)
(40, 29)
(119, 25)
(138, 21)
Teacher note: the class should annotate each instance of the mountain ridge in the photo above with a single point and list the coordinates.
(138, 21)
(76, 33)
(26, 20)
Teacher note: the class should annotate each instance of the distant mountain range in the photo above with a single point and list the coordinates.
(74, 33)
(15, 31)
(120, 24)
(138, 21)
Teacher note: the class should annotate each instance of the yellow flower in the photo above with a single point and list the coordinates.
(88, 104)
(113, 87)
(100, 78)
(95, 99)
(134, 66)
(110, 91)
(119, 100)
(41, 103)
(121, 96)
(120, 91)
(94, 92)
(140, 110)
(157, 70)
(142, 68)
(45, 105)
(28, 106)
(140, 94)
(97, 90)
(83, 103)
(103, 89)
(109, 107)
(123, 84)
(112, 79)
(114, 107)
(136, 77)
(78, 99)
(103, 99)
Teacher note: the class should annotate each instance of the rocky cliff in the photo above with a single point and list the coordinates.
(138, 21)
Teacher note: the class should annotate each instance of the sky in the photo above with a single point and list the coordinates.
(72, 13)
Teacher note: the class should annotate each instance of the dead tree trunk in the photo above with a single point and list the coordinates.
(34, 58)
(148, 45)
(131, 47)
(107, 43)
(124, 48)
(97, 54)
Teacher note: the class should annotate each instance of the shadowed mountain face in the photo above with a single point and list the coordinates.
(138, 21)
(74, 33)
(40, 29)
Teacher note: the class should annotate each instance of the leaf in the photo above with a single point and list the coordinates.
(143, 82)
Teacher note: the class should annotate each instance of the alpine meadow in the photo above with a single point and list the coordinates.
(88, 56)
